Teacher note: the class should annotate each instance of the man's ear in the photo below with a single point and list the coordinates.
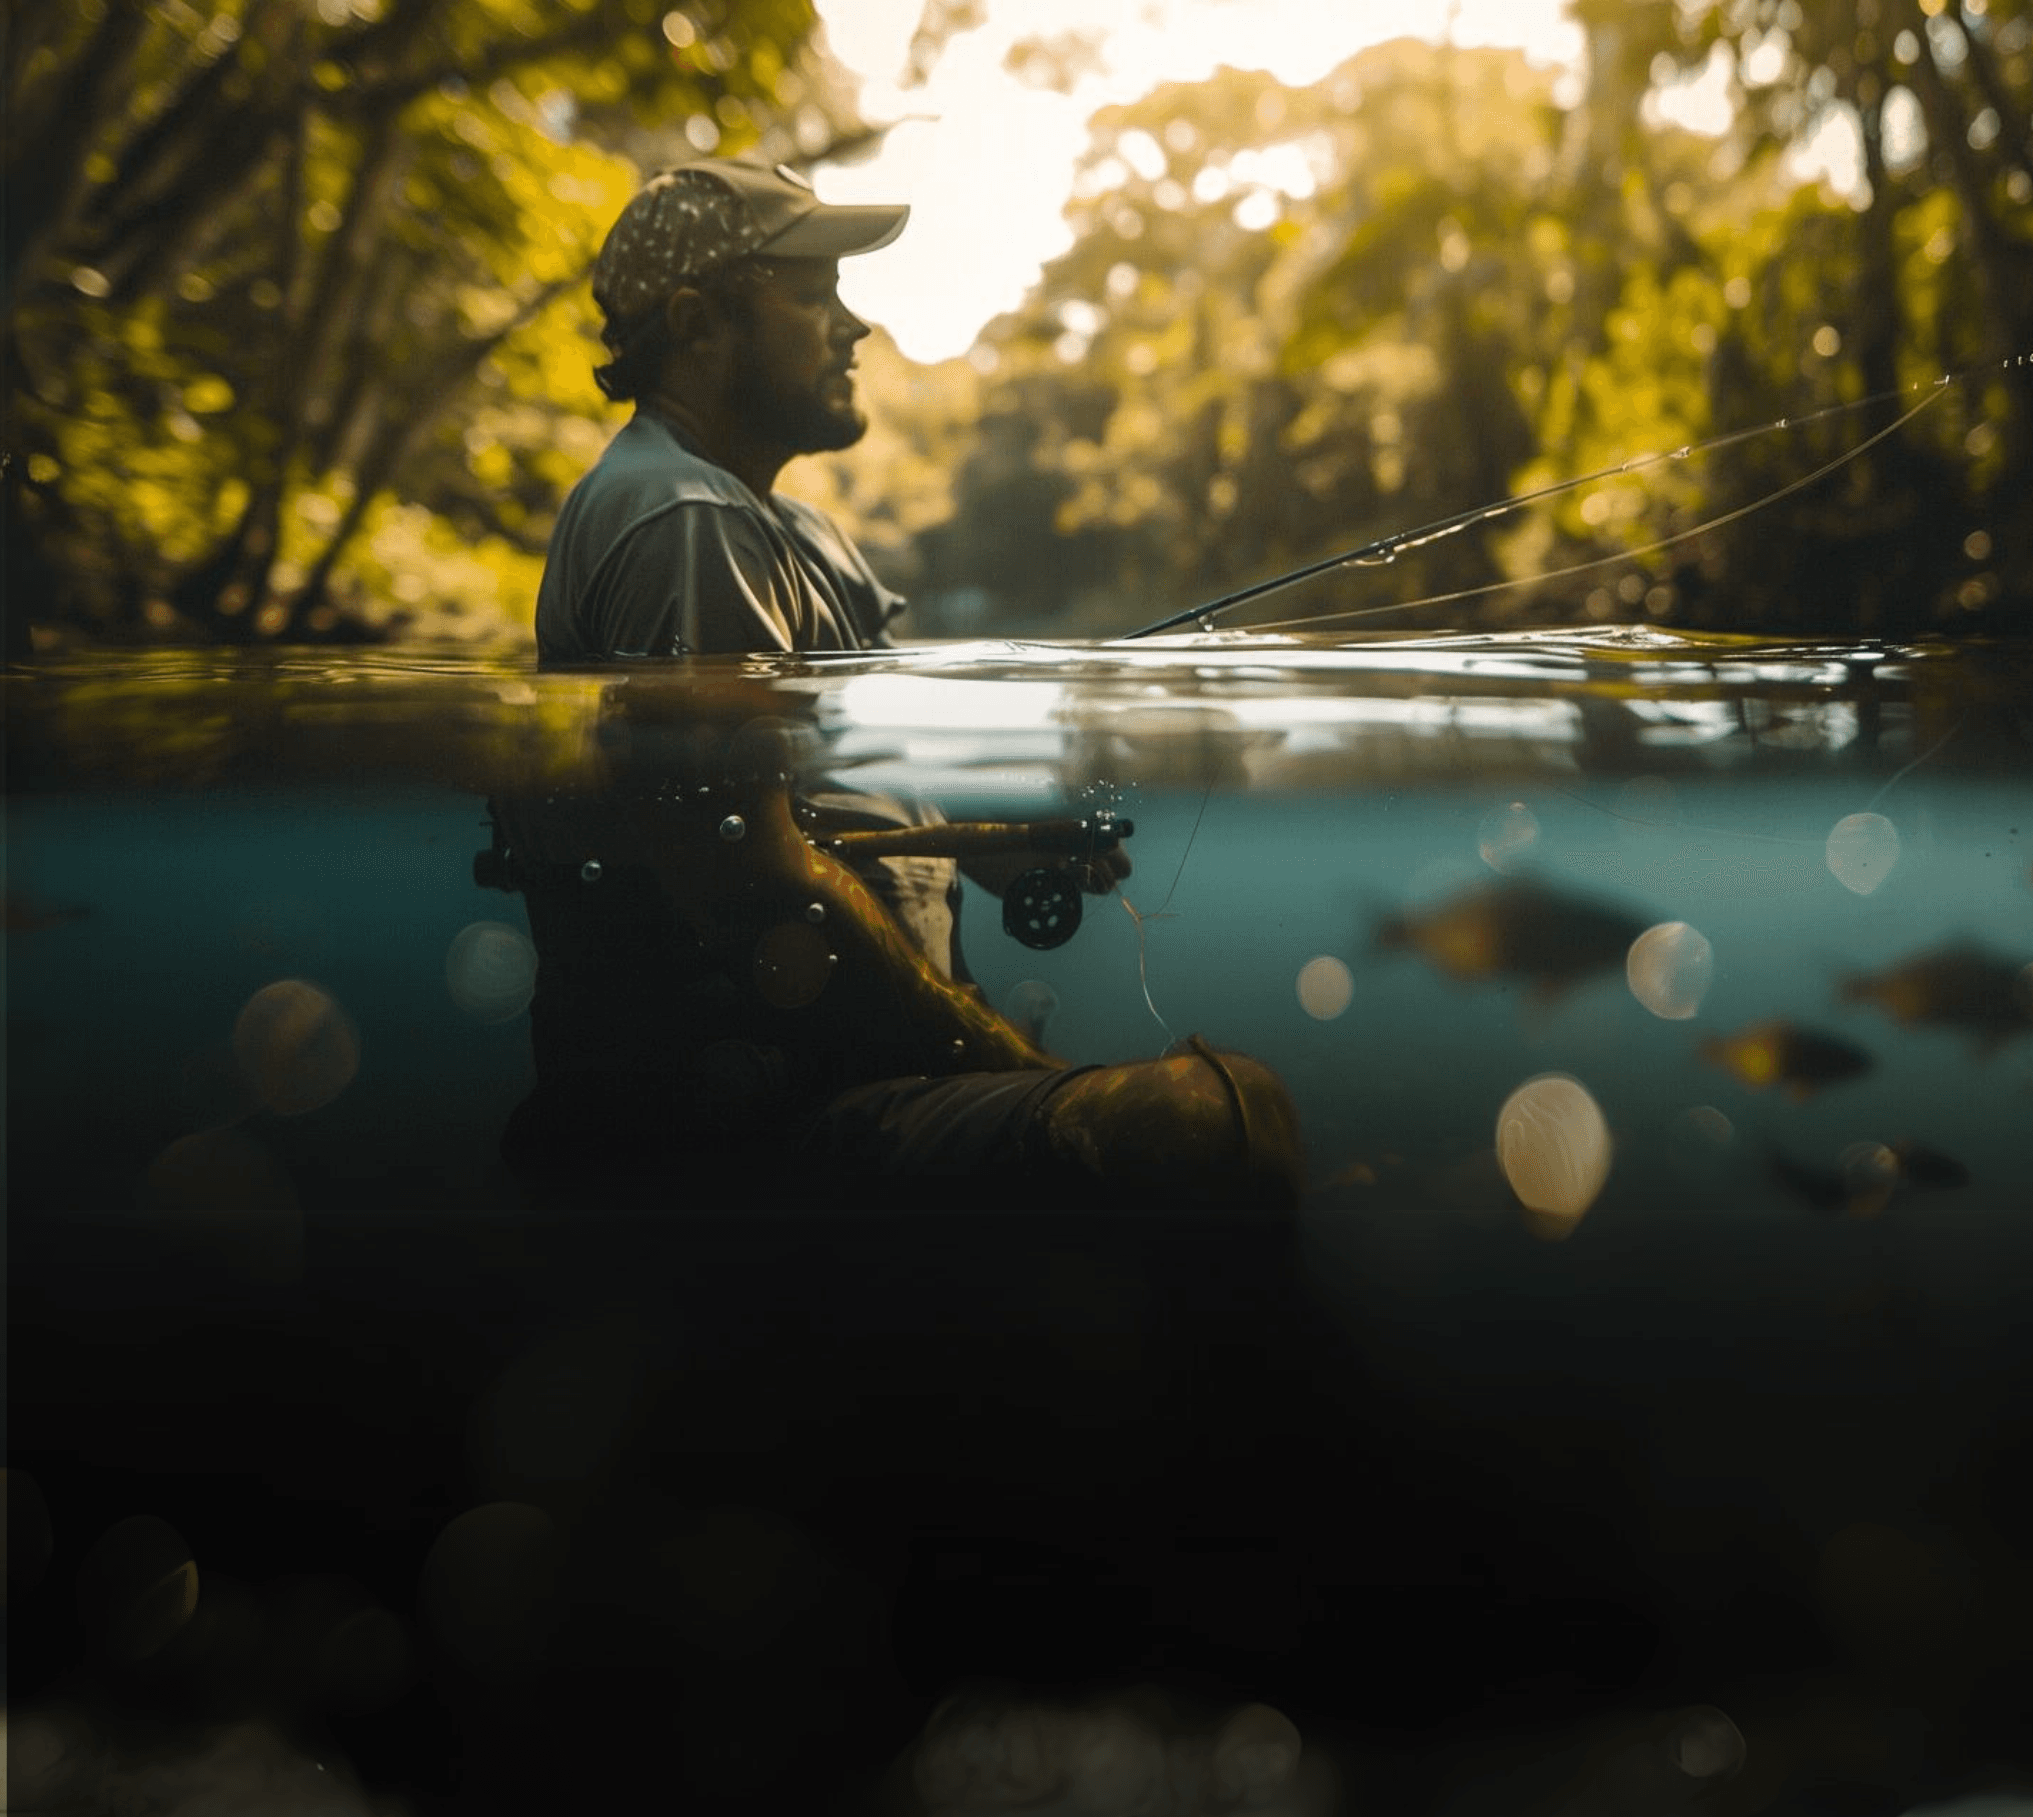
(694, 320)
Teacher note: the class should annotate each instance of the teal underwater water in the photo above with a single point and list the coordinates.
(1651, 1336)
(186, 830)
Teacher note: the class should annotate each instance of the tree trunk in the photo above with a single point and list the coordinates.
(56, 139)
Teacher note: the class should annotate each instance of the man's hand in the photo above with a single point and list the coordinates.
(1098, 875)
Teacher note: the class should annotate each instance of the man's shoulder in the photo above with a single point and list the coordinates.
(645, 468)
(820, 535)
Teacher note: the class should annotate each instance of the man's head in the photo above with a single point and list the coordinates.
(726, 237)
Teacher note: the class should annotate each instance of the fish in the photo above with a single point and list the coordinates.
(1919, 1165)
(1776, 1052)
(1519, 928)
(1869, 1176)
(1956, 986)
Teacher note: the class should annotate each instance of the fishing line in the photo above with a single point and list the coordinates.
(1907, 769)
(1159, 914)
(1386, 549)
(1320, 620)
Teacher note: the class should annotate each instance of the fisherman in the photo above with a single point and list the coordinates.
(728, 978)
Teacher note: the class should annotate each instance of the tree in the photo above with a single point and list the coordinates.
(258, 253)
(1925, 272)
(1295, 320)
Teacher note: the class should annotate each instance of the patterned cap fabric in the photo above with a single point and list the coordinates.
(690, 221)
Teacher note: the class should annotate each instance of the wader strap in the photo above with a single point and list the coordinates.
(1235, 1096)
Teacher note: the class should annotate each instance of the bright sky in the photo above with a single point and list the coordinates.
(988, 177)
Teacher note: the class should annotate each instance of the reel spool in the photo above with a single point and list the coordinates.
(1041, 908)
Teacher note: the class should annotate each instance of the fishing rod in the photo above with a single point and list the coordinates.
(1387, 548)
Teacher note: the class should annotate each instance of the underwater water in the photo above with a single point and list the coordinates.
(1407, 875)
(1658, 1011)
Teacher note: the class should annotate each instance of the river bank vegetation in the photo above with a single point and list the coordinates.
(299, 343)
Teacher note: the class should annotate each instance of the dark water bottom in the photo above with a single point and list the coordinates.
(710, 1513)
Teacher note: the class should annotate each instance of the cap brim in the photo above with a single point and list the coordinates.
(837, 232)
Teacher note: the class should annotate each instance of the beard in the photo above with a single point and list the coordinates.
(805, 420)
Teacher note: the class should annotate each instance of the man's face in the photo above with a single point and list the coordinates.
(797, 340)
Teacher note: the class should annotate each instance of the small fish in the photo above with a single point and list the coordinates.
(1869, 1177)
(1959, 986)
(1516, 928)
(1919, 1165)
(1777, 1053)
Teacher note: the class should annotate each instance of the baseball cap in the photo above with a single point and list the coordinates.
(691, 220)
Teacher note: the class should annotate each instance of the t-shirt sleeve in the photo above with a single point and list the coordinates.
(694, 579)
(870, 607)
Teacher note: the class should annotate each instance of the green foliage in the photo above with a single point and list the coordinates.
(282, 276)
(1465, 290)
(300, 345)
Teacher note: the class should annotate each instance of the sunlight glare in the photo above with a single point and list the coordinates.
(1700, 102)
(984, 221)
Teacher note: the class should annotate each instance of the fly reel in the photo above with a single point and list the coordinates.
(1041, 907)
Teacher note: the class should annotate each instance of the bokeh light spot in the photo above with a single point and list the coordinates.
(1669, 968)
(490, 969)
(1862, 849)
(218, 1170)
(296, 1047)
(136, 1587)
(1325, 987)
(487, 1590)
(1708, 1125)
(1031, 1005)
(227, 1202)
(1553, 1143)
(1507, 835)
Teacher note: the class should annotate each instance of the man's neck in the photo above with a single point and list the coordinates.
(708, 435)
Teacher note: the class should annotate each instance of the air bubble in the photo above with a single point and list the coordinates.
(490, 970)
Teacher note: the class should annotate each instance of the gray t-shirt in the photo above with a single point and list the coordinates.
(658, 552)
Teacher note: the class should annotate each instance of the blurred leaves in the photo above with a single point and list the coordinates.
(1295, 320)
(284, 276)
(301, 347)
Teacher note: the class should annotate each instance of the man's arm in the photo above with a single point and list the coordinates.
(813, 939)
